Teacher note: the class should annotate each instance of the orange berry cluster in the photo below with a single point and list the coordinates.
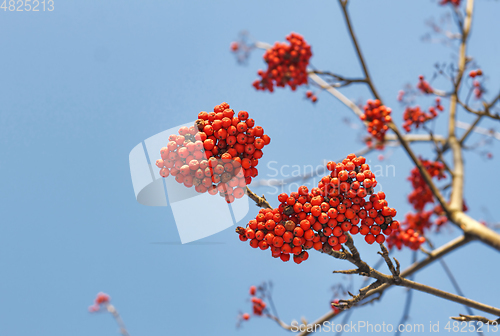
(100, 300)
(414, 116)
(422, 194)
(455, 3)
(310, 95)
(423, 85)
(320, 218)
(478, 89)
(219, 154)
(287, 64)
(475, 73)
(411, 231)
(377, 116)
(258, 295)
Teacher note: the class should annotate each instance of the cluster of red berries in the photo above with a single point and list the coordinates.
(423, 85)
(287, 64)
(475, 73)
(414, 116)
(455, 3)
(219, 154)
(478, 89)
(310, 95)
(411, 231)
(320, 218)
(100, 300)
(377, 116)
(401, 95)
(258, 304)
(422, 194)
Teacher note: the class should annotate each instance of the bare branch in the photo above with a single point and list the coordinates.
(434, 255)
(343, 4)
(334, 92)
(346, 304)
(259, 201)
(450, 296)
(469, 130)
(476, 318)
(123, 330)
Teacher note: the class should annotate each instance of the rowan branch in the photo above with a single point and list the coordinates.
(456, 198)
(111, 309)
(345, 81)
(450, 296)
(259, 201)
(343, 4)
(336, 93)
(467, 318)
(469, 130)
(396, 279)
(415, 267)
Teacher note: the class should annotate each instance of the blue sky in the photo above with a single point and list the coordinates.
(82, 85)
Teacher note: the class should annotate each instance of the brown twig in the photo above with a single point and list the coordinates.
(434, 255)
(343, 4)
(483, 319)
(469, 130)
(259, 201)
(343, 79)
(111, 309)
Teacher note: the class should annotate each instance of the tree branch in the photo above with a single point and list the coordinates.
(476, 318)
(343, 4)
(434, 255)
(259, 201)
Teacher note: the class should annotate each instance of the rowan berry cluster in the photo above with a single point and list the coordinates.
(319, 218)
(422, 194)
(475, 73)
(478, 89)
(310, 95)
(455, 3)
(258, 304)
(377, 116)
(100, 300)
(287, 64)
(423, 85)
(219, 154)
(411, 231)
(414, 116)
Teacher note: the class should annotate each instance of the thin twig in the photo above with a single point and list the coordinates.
(343, 4)
(483, 319)
(408, 301)
(469, 130)
(259, 201)
(111, 309)
(434, 255)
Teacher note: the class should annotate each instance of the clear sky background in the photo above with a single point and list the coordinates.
(82, 85)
